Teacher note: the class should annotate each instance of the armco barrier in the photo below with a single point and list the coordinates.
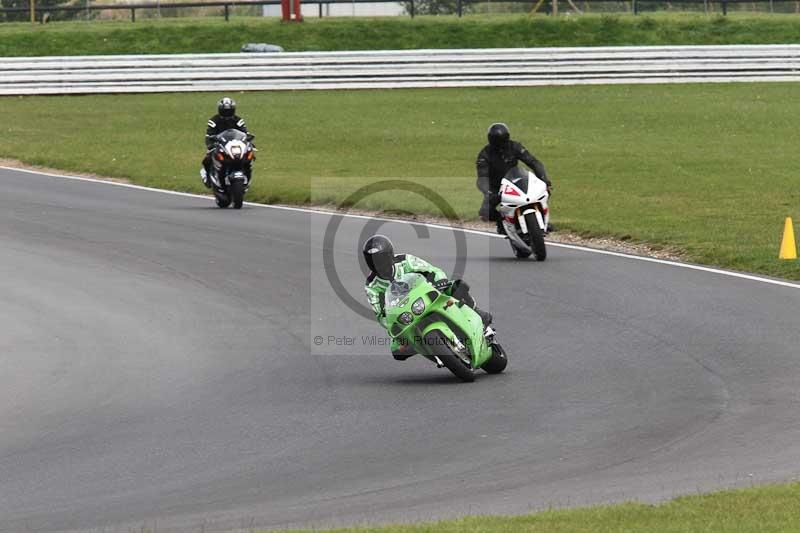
(397, 69)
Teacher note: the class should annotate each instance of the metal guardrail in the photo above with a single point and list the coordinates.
(397, 69)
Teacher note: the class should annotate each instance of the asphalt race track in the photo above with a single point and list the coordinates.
(160, 368)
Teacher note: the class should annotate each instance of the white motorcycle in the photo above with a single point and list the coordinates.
(524, 211)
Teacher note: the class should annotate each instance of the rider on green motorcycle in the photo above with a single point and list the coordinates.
(386, 267)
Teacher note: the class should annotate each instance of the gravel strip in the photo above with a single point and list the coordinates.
(566, 237)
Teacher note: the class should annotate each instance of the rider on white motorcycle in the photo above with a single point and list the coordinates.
(494, 161)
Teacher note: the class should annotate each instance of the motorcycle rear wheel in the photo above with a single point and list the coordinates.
(497, 362)
(439, 346)
(222, 201)
(520, 254)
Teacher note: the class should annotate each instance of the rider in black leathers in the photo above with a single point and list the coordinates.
(494, 161)
(225, 119)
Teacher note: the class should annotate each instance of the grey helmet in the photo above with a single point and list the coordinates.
(226, 107)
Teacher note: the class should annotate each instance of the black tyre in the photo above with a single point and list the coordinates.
(520, 254)
(497, 362)
(222, 200)
(439, 346)
(535, 237)
(237, 193)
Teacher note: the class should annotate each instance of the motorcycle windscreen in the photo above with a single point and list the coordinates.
(518, 177)
(400, 289)
(395, 294)
(232, 135)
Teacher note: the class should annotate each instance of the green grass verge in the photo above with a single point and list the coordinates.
(712, 169)
(754, 510)
(180, 35)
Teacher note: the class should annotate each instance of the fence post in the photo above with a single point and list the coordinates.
(412, 9)
(459, 8)
(133, 14)
(635, 7)
(226, 12)
(320, 9)
(724, 7)
(33, 10)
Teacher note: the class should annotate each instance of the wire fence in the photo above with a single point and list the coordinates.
(86, 10)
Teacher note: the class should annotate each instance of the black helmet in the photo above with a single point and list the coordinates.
(498, 135)
(379, 256)
(226, 107)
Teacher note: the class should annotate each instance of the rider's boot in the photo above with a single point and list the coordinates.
(501, 230)
(402, 352)
(204, 177)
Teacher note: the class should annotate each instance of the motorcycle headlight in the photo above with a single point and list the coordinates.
(406, 318)
(418, 306)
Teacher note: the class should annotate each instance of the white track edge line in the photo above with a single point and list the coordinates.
(711, 270)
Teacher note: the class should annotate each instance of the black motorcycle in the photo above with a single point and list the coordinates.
(232, 157)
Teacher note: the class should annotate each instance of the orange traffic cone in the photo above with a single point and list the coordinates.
(788, 246)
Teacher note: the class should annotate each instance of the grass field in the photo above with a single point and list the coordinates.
(711, 169)
(181, 35)
(755, 510)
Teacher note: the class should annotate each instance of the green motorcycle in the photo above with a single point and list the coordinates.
(441, 328)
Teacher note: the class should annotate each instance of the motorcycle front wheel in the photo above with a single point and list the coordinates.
(439, 346)
(237, 193)
(535, 237)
